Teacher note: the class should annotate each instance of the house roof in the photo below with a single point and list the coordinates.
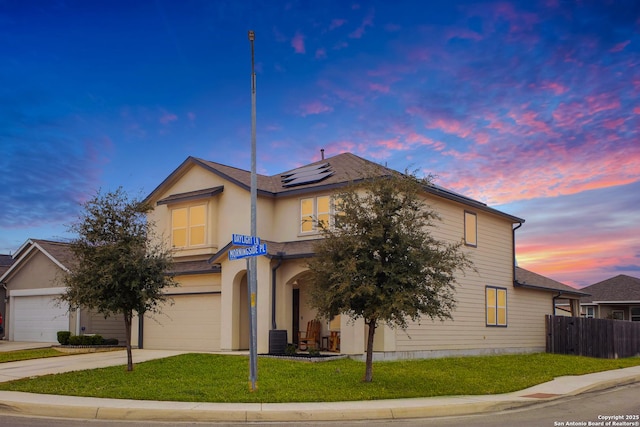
(58, 252)
(5, 263)
(531, 280)
(345, 168)
(621, 288)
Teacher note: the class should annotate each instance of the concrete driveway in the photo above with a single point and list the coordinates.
(22, 345)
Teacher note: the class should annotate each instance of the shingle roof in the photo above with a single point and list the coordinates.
(529, 279)
(618, 288)
(346, 168)
(61, 251)
(5, 263)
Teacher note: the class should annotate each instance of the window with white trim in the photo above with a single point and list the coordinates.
(470, 229)
(188, 226)
(635, 314)
(590, 312)
(314, 210)
(496, 301)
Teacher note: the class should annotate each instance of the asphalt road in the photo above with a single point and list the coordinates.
(623, 401)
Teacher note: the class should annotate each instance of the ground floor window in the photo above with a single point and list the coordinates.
(635, 314)
(617, 315)
(496, 299)
(590, 312)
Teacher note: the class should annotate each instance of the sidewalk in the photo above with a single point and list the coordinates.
(120, 409)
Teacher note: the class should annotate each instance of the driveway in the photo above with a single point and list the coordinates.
(22, 345)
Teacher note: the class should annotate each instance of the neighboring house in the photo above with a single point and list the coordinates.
(614, 298)
(5, 263)
(202, 203)
(33, 284)
(566, 300)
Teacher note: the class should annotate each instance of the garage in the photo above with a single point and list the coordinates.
(191, 323)
(38, 318)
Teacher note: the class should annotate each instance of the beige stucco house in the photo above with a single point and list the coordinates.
(33, 284)
(202, 203)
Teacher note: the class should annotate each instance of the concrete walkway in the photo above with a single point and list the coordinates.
(121, 409)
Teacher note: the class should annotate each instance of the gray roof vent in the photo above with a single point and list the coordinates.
(306, 175)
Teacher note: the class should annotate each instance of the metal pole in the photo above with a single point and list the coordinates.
(252, 261)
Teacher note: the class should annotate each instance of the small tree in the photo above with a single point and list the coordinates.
(120, 267)
(378, 260)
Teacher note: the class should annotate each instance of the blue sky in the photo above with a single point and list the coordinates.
(529, 106)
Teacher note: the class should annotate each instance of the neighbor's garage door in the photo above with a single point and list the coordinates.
(191, 323)
(38, 318)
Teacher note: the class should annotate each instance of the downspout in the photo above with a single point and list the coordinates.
(513, 249)
(553, 302)
(273, 291)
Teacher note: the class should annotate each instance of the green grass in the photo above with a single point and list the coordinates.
(37, 353)
(221, 378)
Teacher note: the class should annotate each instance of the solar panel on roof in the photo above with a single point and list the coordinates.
(305, 169)
(306, 175)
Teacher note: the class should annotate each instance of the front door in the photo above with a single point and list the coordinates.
(296, 315)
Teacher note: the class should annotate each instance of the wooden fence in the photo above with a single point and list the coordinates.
(604, 338)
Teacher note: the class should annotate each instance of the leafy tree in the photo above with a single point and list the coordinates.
(120, 267)
(378, 260)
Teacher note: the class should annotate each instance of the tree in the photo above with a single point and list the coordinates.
(378, 260)
(120, 267)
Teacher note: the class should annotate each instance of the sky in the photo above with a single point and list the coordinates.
(529, 106)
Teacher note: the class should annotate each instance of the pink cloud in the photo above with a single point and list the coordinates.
(337, 23)
(314, 107)
(620, 46)
(463, 33)
(297, 42)
(375, 87)
(636, 110)
(167, 118)
(602, 102)
(555, 87)
(366, 22)
(191, 116)
(613, 123)
(321, 53)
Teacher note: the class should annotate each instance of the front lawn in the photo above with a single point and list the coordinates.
(222, 378)
(36, 353)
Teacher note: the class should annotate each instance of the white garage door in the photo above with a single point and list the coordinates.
(38, 318)
(191, 323)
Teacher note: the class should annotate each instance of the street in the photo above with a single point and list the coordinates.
(594, 408)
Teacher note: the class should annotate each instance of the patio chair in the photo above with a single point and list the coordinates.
(310, 339)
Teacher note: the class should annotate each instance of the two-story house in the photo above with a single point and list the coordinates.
(201, 204)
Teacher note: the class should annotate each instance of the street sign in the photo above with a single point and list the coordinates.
(244, 240)
(246, 252)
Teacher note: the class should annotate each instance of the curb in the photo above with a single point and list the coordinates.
(55, 406)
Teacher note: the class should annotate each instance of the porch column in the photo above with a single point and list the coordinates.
(352, 336)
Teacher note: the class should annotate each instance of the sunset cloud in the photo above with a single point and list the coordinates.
(297, 42)
(314, 107)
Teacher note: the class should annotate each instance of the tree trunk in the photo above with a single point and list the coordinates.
(368, 375)
(127, 329)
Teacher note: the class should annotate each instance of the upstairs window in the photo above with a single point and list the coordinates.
(470, 229)
(496, 306)
(314, 209)
(188, 226)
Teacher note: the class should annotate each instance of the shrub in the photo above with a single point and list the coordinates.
(290, 350)
(110, 341)
(75, 339)
(96, 340)
(63, 337)
(314, 351)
